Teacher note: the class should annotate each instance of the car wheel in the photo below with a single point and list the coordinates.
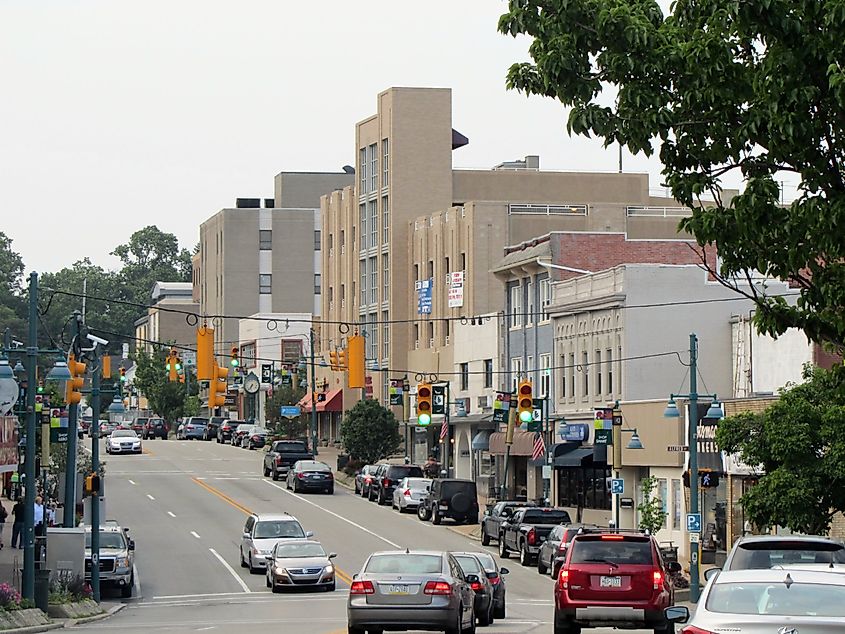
(564, 625)
(499, 610)
(331, 587)
(504, 553)
(126, 591)
(487, 618)
(472, 519)
(541, 567)
(554, 570)
(485, 538)
(267, 581)
(276, 589)
(266, 472)
(459, 628)
(380, 500)
(241, 554)
(422, 513)
(435, 517)
(330, 491)
(252, 569)
(355, 630)
(669, 628)
(524, 556)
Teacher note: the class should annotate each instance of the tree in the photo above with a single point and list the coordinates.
(798, 445)
(369, 431)
(286, 395)
(11, 277)
(650, 510)
(165, 398)
(719, 86)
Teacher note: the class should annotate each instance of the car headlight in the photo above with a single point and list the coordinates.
(282, 571)
(328, 569)
(122, 562)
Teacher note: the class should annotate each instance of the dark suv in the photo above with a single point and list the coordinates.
(553, 550)
(213, 426)
(614, 580)
(155, 428)
(387, 477)
(456, 499)
(227, 429)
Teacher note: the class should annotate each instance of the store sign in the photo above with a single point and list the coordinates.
(455, 289)
(423, 288)
(574, 432)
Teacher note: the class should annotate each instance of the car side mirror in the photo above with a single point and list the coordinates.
(677, 614)
(473, 579)
(131, 544)
(309, 533)
(673, 567)
(246, 533)
(487, 511)
(503, 571)
(710, 573)
(332, 555)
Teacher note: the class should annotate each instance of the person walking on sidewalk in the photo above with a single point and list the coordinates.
(3, 515)
(17, 525)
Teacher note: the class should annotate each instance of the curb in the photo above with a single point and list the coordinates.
(34, 628)
(97, 617)
(467, 535)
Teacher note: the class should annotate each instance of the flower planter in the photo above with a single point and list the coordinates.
(30, 617)
(75, 610)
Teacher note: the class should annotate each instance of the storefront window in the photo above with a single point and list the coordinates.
(587, 487)
(676, 504)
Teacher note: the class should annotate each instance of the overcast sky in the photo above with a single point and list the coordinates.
(120, 114)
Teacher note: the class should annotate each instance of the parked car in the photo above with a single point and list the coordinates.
(155, 428)
(283, 454)
(123, 441)
(106, 427)
(409, 492)
(192, 429)
(139, 424)
(614, 578)
(84, 424)
(483, 603)
(493, 517)
(411, 590)
(261, 534)
(552, 552)
(227, 430)
(212, 428)
(761, 601)
(239, 433)
(300, 564)
(310, 475)
(364, 478)
(495, 574)
(455, 499)
(255, 438)
(757, 552)
(526, 531)
(387, 477)
(117, 558)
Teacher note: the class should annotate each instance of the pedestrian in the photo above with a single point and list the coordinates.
(3, 515)
(39, 516)
(17, 524)
(431, 469)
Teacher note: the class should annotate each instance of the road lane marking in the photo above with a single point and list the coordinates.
(171, 514)
(151, 497)
(333, 514)
(231, 570)
(194, 533)
(222, 496)
(342, 575)
(133, 482)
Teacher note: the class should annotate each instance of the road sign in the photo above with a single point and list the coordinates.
(289, 411)
(617, 486)
(266, 373)
(693, 522)
(677, 448)
(189, 358)
(694, 537)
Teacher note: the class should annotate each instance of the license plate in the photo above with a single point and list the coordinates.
(317, 476)
(397, 589)
(610, 582)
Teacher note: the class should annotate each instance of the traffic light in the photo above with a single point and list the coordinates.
(217, 387)
(106, 364)
(525, 402)
(708, 479)
(205, 353)
(355, 361)
(342, 361)
(77, 379)
(41, 387)
(92, 484)
(233, 361)
(424, 404)
(333, 364)
(172, 366)
(123, 375)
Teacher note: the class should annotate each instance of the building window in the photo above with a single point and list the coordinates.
(416, 272)
(265, 284)
(331, 295)
(464, 377)
(430, 269)
(516, 306)
(362, 266)
(362, 225)
(385, 218)
(416, 335)
(385, 153)
(609, 362)
(516, 372)
(586, 370)
(247, 355)
(545, 375)
(373, 281)
(385, 275)
(316, 239)
(373, 338)
(362, 169)
(317, 284)
(545, 296)
(342, 241)
(585, 487)
(446, 265)
(431, 334)
(663, 496)
(488, 372)
(265, 240)
(571, 371)
(677, 493)
(373, 224)
(463, 261)
(529, 312)
(343, 295)
(447, 330)
(619, 380)
(597, 361)
(385, 335)
(373, 167)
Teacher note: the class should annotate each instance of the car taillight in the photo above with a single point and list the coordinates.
(532, 537)
(692, 629)
(406, 492)
(658, 579)
(437, 588)
(476, 585)
(330, 475)
(256, 438)
(564, 578)
(615, 538)
(386, 482)
(562, 547)
(494, 578)
(278, 460)
(368, 479)
(362, 587)
(300, 475)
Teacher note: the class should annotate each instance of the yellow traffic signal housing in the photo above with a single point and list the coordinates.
(217, 387)
(205, 353)
(356, 362)
(172, 361)
(77, 380)
(424, 404)
(123, 375)
(106, 367)
(92, 484)
(525, 402)
(333, 364)
(342, 364)
(233, 360)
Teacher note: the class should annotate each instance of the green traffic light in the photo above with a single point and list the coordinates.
(424, 420)
(123, 379)
(526, 417)
(234, 363)
(178, 367)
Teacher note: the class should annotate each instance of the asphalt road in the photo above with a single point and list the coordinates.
(186, 502)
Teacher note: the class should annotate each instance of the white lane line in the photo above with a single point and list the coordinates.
(229, 478)
(133, 482)
(231, 571)
(171, 514)
(195, 535)
(151, 497)
(210, 627)
(333, 514)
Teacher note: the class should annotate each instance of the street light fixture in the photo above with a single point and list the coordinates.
(59, 372)
(19, 369)
(715, 410)
(671, 410)
(6, 371)
(116, 406)
(635, 442)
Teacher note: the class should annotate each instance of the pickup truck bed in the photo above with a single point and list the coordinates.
(283, 455)
(526, 531)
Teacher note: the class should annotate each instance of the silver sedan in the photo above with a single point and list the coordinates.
(409, 492)
(768, 601)
(411, 590)
(300, 564)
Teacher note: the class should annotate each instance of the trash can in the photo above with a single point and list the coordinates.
(42, 589)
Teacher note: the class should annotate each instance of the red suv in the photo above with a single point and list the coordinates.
(613, 580)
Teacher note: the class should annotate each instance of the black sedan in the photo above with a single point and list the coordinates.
(310, 475)
(483, 603)
(496, 576)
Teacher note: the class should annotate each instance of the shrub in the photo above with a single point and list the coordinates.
(10, 598)
(69, 588)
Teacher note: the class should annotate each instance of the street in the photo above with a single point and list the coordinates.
(185, 503)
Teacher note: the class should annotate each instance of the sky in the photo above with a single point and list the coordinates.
(119, 115)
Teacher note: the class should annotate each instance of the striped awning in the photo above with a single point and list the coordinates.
(523, 443)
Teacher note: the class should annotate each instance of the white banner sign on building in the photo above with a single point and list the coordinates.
(456, 289)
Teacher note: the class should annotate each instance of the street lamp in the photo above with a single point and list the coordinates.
(635, 443)
(116, 406)
(59, 372)
(671, 411)
(6, 371)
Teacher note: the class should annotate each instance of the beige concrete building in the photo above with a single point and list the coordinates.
(167, 327)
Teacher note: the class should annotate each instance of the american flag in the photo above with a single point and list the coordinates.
(539, 447)
(444, 429)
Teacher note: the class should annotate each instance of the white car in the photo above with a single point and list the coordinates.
(409, 492)
(123, 441)
(767, 602)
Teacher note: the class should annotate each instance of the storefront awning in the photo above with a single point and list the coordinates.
(331, 401)
(523, 443)
(575, 458)
(481, 441)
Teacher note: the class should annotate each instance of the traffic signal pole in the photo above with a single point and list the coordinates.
(313, 396)
(28, 580)
(69, 517)
(95, 468)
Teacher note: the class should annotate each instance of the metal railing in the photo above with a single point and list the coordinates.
(548, 210)
(657, 212)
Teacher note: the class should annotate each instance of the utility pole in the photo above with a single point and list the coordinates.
(692, 424)
(313, 396)
(28, 580)
(69, 516)
(447, 445)
(95, 468)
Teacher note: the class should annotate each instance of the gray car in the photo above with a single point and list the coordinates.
(117, 558)
(483, 588)
(758, 552)
(300, 564)
(261, 534)
(767, 602)
(411, 590)
(409, 492)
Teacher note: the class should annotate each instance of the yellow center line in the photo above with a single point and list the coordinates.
(343, 576)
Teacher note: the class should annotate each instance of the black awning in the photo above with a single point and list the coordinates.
(562, 448)
(576, 458)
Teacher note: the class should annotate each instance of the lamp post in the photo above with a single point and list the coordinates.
(634, 443)
(313, 395)
(671, 411)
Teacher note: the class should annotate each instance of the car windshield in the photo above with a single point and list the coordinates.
(778, 599)
(468, 564)
(771, 553)
(291, 447)
(108, 539)
(617, 551)
(157, 421)
(289, 551)
(546, 516)
(418, 483)
(404, 471)
(124, 433)
(271, 529)
(198, 421)
(313, 465)
(402, 563)
(258, 431)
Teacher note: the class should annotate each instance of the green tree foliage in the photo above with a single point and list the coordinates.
(799, 446)
(11, 276)
(718, 86)
(287, 427)
(650, 510)
(149, 256)
(165, 398)
(369, 431)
